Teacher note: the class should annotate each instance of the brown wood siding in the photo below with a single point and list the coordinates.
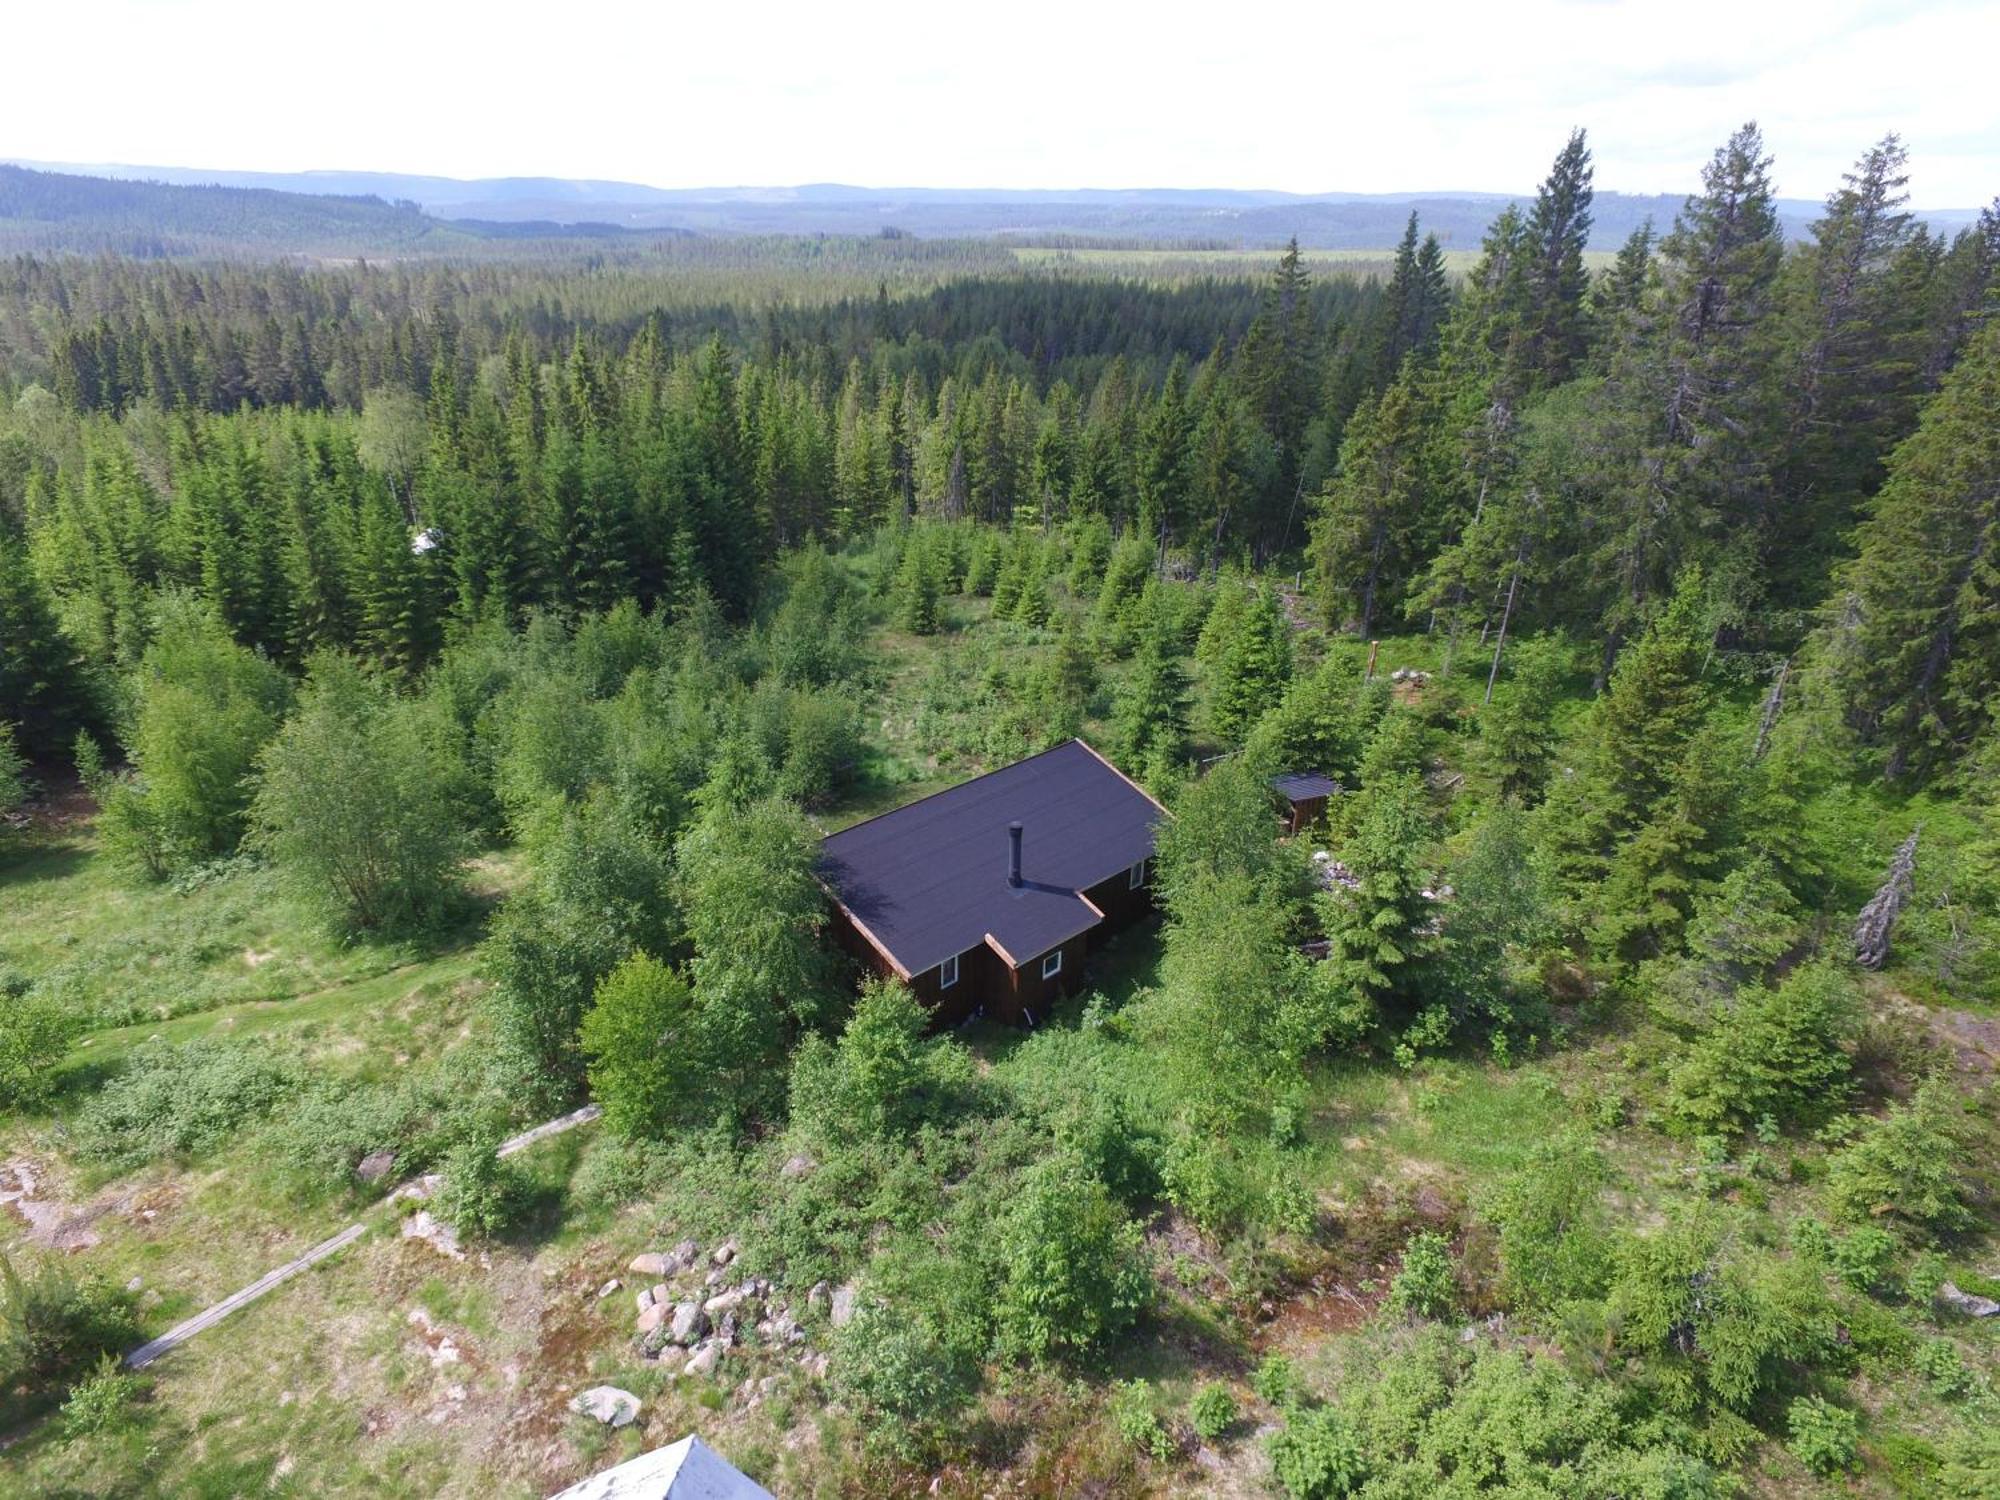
(1121, 905)
(987, 982)
(1303, 814)
(1028, 994)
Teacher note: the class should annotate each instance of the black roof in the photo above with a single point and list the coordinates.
(1302, 786)
(929, 880)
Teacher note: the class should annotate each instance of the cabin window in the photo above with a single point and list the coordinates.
(1136, 876)
(1052, 964)
(948, 973)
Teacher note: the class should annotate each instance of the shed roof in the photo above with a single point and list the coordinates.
(929, 879)
(1303, 786)
(687, 1470)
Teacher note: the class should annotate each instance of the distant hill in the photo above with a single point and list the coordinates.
(49, 211)
(182, 210)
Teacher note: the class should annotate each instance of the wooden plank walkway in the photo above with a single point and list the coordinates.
(542, 1132)
(180, 1333)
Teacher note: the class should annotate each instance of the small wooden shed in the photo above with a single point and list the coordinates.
(1306, 794)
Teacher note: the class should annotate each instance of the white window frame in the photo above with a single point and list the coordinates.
(1052, 964)
(1136, 876)
(948, 973)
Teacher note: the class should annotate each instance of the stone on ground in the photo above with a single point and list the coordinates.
(608, 1404)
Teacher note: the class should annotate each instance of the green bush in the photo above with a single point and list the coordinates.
(1823, 1435)
(1424, 1285)
(1940, 1363)
(1316, 1455)
(1971, 1468)
(35, 1033)
(1276, 1381)
(822, 746)
(1555, 1247)
(203, 706)
(1776, 1053)
(1212, 1411)
(188, 1100)
(601, 890)
(1133, 1415)
(54, 1325)
(1812, 1241)
(1929, 1271)
(1905, 1166)
(907, 1381)
(1709, 1323)
(480, 1195)
(883, 1078)
(321, 1137)
(103, 1403)
(640, 1035)
(1072, 1268)
(1862, 1257)
(13, 771)
(349, 809)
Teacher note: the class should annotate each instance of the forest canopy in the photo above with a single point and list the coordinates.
(1591, 1097)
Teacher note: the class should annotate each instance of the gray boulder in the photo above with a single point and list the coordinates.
(608, 1404)
(705, 1359)
(1968, 1303)
(689, 1323)
(842, 1308)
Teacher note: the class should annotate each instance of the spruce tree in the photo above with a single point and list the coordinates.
(1252, 666)
(393, 588)
(1854, 370)
(1619, 292)
(42, 681)
(1912, 643)
(1558, 229)
(1149, 718)
(1368, 517)
(1164, 461)
(1636, 739)
(1278, 365)
(1689, 409)
(916, 590)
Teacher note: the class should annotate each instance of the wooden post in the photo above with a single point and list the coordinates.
(1373, 647)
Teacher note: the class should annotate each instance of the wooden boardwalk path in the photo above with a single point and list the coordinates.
(180, 1333)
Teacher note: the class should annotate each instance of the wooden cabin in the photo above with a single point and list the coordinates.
(985, 898)
(1305, 795)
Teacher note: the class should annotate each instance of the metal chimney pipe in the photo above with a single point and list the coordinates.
(1013, 854)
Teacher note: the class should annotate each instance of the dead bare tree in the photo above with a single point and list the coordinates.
(1774, 704)
(1878, 917)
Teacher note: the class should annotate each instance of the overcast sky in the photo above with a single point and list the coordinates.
(1380, 96)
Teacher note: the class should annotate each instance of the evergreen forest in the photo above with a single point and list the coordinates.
(424, 682)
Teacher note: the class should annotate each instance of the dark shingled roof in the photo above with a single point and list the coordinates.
(930, 879)
(1302, 786)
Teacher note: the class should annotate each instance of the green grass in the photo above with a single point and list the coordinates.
(125, 951)
(363, 1026)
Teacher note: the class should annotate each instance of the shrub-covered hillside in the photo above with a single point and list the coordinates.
(1597, 1102)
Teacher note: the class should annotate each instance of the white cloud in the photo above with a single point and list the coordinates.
(1366, 97)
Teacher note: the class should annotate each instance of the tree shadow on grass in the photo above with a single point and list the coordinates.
(38, 861)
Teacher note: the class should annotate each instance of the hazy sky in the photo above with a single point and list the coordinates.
(1378, 96)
